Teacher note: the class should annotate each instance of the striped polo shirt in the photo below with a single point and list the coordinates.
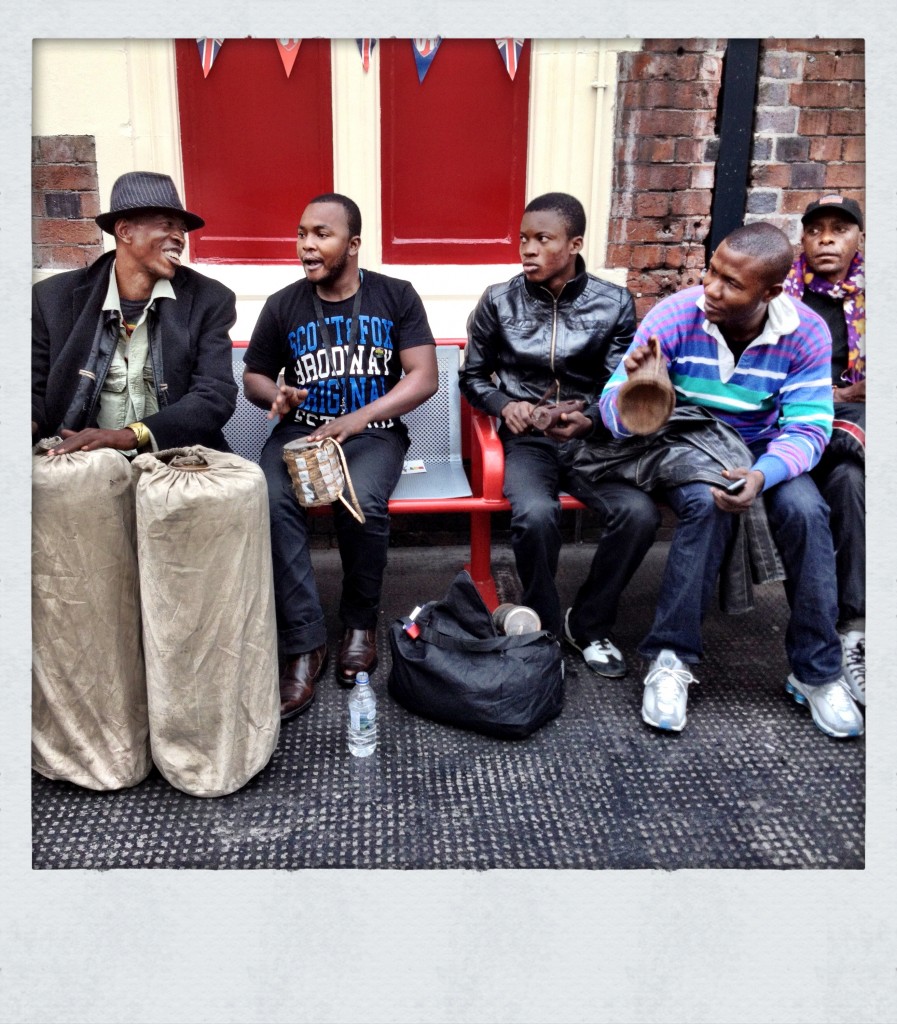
(780, 392)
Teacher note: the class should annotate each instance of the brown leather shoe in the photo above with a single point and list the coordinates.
(297, 682)
(357, 653)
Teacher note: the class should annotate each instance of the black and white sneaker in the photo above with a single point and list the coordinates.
(601, 655)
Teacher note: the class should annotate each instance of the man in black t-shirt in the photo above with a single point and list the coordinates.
(829, 276)
(356, 352)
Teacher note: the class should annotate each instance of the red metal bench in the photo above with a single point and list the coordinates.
(481, 452)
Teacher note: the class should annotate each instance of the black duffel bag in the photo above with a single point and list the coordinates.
(460, 671)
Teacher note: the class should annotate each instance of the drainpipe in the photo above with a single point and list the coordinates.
(737, 103)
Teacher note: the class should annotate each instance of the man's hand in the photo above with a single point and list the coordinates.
(637, 357)
(286, 399)
(94, 438)
(743, 500)
(851, 393)
(518, 416)
(570, 425)
(342, 427)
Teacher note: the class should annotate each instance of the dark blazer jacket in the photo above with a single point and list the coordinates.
(197, 381)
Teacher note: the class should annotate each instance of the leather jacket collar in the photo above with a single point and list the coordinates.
(571, 290)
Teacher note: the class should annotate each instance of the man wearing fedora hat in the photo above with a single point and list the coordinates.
(133, 351)
(829, 277)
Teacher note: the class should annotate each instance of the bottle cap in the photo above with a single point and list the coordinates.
(362, 677)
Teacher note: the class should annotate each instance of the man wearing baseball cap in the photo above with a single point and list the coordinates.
(829, 277)
(133, 351)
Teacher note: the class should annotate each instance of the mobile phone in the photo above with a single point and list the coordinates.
(734, 486)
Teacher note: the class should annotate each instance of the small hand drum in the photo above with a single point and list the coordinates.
(646, 400)
(320, 475)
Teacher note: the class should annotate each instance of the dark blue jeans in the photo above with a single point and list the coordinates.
(799, 520)
(375, 460)
(536, 469)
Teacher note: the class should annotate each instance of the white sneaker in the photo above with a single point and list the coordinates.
(853, 644)
(601, 656)
(666, 692)
(831, 706)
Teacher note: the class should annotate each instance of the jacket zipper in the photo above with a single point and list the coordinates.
(554, 332)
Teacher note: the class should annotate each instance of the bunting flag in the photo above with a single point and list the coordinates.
(208, 51)
(288, 48)
(424, 52)
(510, 53)
(366, 48)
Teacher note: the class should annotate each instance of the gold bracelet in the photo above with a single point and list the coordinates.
(141, 432)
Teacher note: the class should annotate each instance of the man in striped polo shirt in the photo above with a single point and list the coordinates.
(740, 348)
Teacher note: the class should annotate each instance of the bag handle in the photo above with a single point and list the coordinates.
(355, 506)
(431, 635)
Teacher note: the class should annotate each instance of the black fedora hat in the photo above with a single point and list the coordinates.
(137, 191)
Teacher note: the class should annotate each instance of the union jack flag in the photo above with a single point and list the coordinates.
(208, 51)
(366, 48)
(288, 49)
(510, 50)
(424, 52)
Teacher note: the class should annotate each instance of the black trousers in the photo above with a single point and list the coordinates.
(536, 470)
(375, 460)
(843, 485)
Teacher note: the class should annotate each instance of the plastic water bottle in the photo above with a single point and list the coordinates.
(362, 717)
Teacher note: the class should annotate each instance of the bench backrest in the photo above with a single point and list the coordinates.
(435, 429)
(248, 429)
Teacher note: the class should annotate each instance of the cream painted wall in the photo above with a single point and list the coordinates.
(123, 92)
(120, 91)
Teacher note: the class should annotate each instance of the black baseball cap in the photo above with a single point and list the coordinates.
(835, 202)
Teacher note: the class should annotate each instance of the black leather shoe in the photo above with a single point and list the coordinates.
(357, 653)
(297, 682)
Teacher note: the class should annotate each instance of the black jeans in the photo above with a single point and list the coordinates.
(843, 485)
(375, 460)
(536, 469)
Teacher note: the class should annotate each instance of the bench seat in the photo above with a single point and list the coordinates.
(458, 447)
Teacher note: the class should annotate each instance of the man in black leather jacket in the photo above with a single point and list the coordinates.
(556, 326)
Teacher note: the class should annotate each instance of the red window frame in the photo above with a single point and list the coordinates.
(453, 153)
(256, 146)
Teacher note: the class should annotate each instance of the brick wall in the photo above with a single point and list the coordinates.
(65, 199)
(808, 138)
(809, 132)
(665, 149)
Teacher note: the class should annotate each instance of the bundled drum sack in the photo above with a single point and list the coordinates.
(451, 665)
(209, 631)
(89, 708)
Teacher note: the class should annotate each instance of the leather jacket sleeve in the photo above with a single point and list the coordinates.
(618, 342)
(480, 362)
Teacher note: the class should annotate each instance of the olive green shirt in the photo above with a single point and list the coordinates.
(128, 394)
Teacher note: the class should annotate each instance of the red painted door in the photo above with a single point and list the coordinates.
(256, 146)
(453, 153)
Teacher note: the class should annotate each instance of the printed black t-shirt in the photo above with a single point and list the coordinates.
(287, 336)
